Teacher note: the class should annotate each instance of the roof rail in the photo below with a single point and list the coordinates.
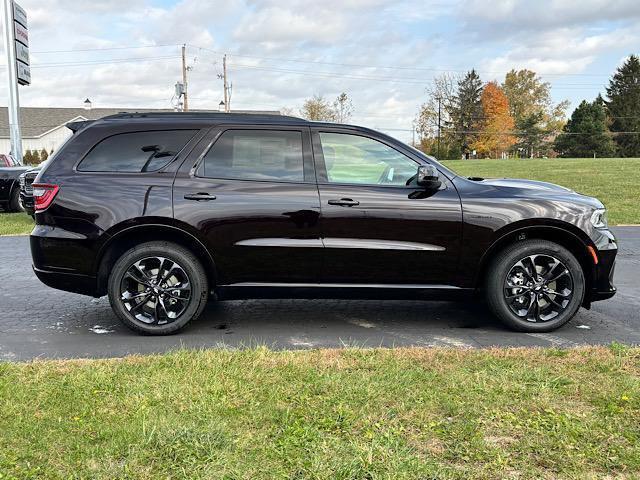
(202, 115)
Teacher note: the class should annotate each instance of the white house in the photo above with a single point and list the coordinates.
(46, 127)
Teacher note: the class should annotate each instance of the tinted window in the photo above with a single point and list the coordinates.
(356, 159)
(136, 152)
(255, 155)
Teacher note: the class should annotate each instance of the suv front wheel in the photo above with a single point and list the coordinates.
(14, 201)
(157, 288)
(535, 286)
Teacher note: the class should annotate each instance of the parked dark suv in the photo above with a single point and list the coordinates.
(161, 210)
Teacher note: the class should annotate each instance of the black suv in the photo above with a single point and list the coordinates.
(161, 210)
(10, 171)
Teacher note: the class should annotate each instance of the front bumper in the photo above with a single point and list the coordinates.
(602, 286)
(27, 203)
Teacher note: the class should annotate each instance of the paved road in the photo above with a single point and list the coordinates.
(37, 321)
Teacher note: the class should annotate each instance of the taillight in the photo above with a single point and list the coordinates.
(43, 195)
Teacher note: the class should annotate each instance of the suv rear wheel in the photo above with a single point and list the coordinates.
(157, 288)
(535, 286)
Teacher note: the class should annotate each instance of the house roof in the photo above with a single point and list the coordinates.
(36, 121)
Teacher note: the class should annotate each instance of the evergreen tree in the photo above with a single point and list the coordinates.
(466, 110)
(623, 107)
(35, 155)
(27, 158)
(43, 155)
(586, 134)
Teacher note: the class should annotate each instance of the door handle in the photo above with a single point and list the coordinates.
(200, 196)
(344, 202)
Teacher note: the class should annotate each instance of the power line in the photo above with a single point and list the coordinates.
(101, 49)
(102, 62)
(405, 80)
(321, 62)
(391, 67)
(543, 132)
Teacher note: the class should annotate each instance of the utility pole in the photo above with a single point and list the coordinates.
(185, 103)
(12, 81)
(227, 107)
(439, 123)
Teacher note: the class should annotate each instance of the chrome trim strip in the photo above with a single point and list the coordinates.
(379, 244)
(281, 242)
(357, 243)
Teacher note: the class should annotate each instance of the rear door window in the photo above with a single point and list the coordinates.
(136, 152)
(274, 155)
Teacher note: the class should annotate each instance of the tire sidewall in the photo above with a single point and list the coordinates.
(497, 275)
(14, 204)
(191, 266)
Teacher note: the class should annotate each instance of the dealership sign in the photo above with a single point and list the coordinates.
(21, 44)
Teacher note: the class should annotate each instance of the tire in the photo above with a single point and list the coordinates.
(14, 201)
(138, 303)
(514, 266)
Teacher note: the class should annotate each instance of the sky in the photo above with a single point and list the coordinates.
(383, 54)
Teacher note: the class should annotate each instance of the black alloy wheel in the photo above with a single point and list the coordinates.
(538, 288)
(157, 288)
(535, 286)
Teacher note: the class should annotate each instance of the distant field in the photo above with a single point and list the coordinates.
(325, 414)
(614, 181)
(15, 224)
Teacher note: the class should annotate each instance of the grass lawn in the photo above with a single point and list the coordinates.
(615, 181)
(326, 414)
(15, 224)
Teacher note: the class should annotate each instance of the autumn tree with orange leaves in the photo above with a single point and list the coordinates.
(496, 126)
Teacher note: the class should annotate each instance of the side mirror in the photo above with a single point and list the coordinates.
(428, 177)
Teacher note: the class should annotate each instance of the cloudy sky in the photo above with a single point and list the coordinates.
(126, 53)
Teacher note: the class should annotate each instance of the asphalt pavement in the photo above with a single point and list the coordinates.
(40, 322)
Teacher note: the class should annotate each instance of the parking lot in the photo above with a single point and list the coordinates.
(37, 321)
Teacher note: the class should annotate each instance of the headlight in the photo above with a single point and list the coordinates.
(599, 218)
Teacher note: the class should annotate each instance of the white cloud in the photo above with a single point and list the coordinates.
(509, 17)
(277, 24)
(563, 51)
(551, 36)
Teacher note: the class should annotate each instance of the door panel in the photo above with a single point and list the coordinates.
(257, 230)
(384, 233)
(394, 235)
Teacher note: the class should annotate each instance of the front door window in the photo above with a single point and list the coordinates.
(353, 159)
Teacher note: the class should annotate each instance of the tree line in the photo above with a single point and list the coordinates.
(465, 117)
(35, 157)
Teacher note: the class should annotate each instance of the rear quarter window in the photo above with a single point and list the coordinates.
(136, 151)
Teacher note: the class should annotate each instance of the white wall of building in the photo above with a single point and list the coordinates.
(52, 140)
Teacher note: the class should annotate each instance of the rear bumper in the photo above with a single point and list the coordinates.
(64, 260)
(69, 282)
